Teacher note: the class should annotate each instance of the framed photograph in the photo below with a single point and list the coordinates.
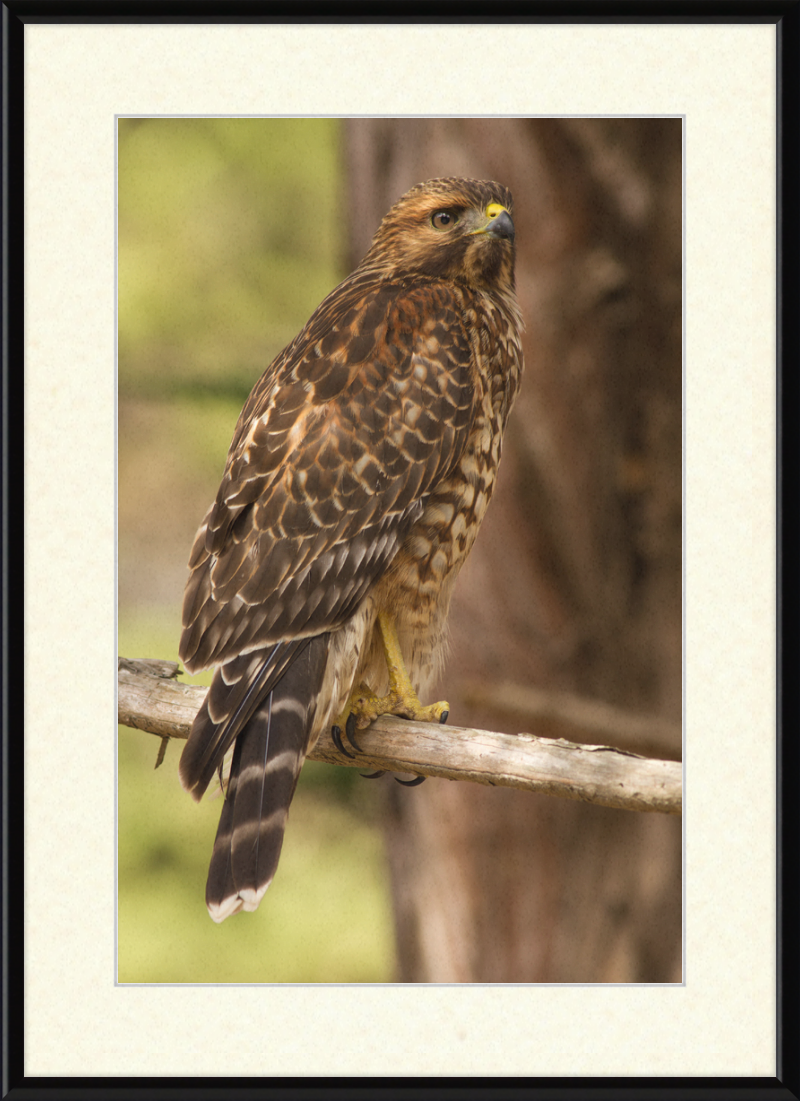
(191, 192)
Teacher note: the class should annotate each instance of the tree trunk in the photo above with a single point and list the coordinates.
(575, 580)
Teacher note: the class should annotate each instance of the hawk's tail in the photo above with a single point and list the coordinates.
(267, 758)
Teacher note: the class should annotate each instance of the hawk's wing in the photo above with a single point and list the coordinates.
(352, 426)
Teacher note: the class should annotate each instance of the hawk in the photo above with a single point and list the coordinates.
(358, 476)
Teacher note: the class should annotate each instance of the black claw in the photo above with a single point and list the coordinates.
(350, 729)
(445, 715)
(372, 775)
(411, 783)
(336, 738)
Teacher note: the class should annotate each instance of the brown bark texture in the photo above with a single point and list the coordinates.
(574, 585)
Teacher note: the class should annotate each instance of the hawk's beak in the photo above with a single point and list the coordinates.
(498, 223)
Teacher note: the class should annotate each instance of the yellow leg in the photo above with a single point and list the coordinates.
(401, 699)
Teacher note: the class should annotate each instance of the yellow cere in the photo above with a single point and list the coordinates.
(493, 209)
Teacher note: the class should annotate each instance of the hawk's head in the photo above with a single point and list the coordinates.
(449, 229)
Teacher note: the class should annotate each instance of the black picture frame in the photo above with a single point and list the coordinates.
(15, 13)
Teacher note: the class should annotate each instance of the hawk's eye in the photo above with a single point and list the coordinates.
(443, 219)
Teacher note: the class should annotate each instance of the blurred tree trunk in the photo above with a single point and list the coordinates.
(575, 580)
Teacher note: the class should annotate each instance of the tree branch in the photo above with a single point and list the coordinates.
(152, 699)
(586, 720)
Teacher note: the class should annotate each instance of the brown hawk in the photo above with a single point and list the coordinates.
(357, 479)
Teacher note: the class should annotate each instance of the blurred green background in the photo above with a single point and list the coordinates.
(231, 231)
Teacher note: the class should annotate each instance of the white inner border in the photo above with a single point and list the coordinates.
(722, 1020)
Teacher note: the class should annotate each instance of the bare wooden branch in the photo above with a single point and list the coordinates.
(151, 699)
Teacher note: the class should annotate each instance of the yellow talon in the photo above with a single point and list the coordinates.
(401, 699)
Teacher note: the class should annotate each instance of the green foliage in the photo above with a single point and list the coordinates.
(326, 917)
(230, 234)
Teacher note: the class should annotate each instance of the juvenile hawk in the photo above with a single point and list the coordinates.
(357, 479)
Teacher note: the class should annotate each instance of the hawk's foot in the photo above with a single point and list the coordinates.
(336, 738)
(364, 707)
(401, 698)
